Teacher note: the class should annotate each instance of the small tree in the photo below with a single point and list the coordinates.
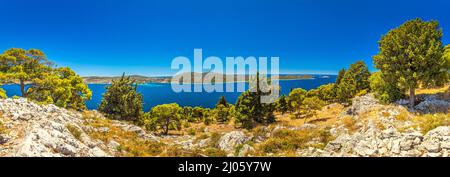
(282, 104)
(121, 100)
(208, 117)
(295, 100)
(412, 54)
(221, 113)
(311, 105)
(197, 114)
(340, 76)
(23, 66)
(354, 82)
(187, 113)
(222, 101)
(250, 109)
(324, 92)
(165, 116)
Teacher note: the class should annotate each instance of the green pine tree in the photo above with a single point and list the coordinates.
(412, 55)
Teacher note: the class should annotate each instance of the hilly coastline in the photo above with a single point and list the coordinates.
(194, 77)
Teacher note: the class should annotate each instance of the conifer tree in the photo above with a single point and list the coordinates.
(121, 100)
(412, 54)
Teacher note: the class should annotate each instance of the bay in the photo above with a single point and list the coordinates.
(162, 93)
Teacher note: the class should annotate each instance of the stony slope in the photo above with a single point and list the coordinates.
(365, 128)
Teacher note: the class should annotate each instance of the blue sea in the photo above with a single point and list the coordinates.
(161, 93)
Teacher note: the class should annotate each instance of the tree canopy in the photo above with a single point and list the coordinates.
(23, 66)
(354, 82)
(62, 87)
(164, 117)
(121, 100)
(411, 55)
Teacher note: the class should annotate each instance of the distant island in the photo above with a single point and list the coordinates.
(167, 79)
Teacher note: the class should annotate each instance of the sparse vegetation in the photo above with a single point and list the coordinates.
(75, 131)
(349, 123)
(291, 140)
(429, 122)
(121, 100)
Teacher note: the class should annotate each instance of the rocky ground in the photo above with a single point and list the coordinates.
(365, 128)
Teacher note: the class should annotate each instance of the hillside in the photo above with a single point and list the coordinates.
(365, 128)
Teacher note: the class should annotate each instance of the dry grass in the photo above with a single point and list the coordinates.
(288, 141)
(75, 131)
(130, 143)
(429, 122)
(350, 123)
(324, 117)
(3, 129)
(433, 90)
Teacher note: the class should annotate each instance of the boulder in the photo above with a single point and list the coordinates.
(231, 140)
(362, 104)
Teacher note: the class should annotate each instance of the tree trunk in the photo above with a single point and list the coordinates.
(22, 88)
(166, 131)
(412, 98)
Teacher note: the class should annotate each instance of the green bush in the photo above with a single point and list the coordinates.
(2, 93)
(386, 92)
(355, 80)
(121, 100)
(165, 117)
(62, 87)
(290, 140)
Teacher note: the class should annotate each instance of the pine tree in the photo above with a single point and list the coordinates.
(295, 100)
(250, 109)
(354, 82)
(23, 66)
(412, 54)
(222, 101)
(62, 87)
(164, 117)
(121, 100)
(340, 76)
(282, 105)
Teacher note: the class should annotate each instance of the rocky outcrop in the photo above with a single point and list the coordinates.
(231, 140)
(384, 139)
(49, 131)
(362, 104)
(433, 104)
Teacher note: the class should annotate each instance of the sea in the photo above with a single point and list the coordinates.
(162, 93)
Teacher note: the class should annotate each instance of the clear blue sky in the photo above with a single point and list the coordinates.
(108, 37)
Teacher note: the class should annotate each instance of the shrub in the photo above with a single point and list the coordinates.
(291, 140)
(165, 117)
(349, 123)
(75, 131)
(429, 122)
(191, 131)
(214, 152)
(121, 100)
(353, 82)
(386, 92)
(221, 113)
(282, 104)
(2, 93)
(295, 100)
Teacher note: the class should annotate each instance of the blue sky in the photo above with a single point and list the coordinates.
(108, 37)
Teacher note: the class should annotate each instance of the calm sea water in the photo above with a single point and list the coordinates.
(161, 93)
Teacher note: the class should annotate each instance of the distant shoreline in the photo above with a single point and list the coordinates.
(212, 82)
(108, 80)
